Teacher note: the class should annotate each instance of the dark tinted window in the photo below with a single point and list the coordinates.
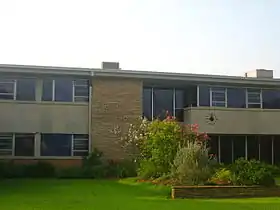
(238, 147)
(24, 145)
(47, 94)
(253, 147)
(7, 89)
(236, 97)
(214, 145)
(163, 102)
(276, 149)
(226, 149)
(271, 99)
(56, 144)
(64, 90)
(147, 103)
(204, 96)
(266, 149)
(26, 89)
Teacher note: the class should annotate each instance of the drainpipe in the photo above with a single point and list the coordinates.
(90, 112)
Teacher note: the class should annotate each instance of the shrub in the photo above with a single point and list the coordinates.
(121, 169)
(70, 173)
(252, 172)
(148, 169)
(192, 164)
(222, 176)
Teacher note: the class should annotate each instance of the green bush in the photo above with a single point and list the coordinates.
(70, 172)
(148, 169)
(252, 172)
(39, 170)
(192, 164)
(222, 176)
(121, 169)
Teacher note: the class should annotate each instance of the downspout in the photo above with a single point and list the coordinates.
(90, 112)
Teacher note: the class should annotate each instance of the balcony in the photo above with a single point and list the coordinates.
(219, 120)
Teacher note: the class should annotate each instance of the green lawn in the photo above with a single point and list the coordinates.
(108, 195)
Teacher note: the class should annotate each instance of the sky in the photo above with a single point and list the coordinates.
(226, 37)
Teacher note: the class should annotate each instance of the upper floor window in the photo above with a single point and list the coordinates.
(18, 89)
(65, 90)
(254, 98)
(271, 99)
(218, 96)
(7, 89)
(236, 97)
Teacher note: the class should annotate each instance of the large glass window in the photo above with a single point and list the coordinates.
(214, 145)
(238, 147)
(218, 96)
(236, 97)
(26, 89)
(24, 144)
(271, 99)
(48, 90)
(7, 89)
(163, 102)
(56, 144)
(226, 149)
(147, 103)
(266, 149)
(204, 96)
(180, 104)
(253, 98)
(63, 90)
(253, 147)
(64, 144)
(276, 149)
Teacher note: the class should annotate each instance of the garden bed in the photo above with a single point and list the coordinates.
(224, 191)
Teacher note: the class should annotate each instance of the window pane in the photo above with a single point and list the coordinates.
(204, 96)
(238, 147)
(47, 90)
(276, 146)
(147, 103)
(81, 91)
(6, 144)
(179, 99)
(236, 98)
(64, 90)
(254, 96)
(271, 99)
(226, 149)
(26, 89)
(24, 145)
(56, 144)
(163, 102)
(214, 145)
(7, 89)
(266, 149)
(253, 147)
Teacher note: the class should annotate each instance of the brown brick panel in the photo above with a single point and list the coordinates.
(115, 102)
(59, 163)
(224, 192)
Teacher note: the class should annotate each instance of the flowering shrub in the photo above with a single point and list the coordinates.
(222, 176)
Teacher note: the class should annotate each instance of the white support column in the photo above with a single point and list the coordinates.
(39, 89)
(53, 90)
(152, 98)
(197, 95)
(13, 145)
(272, 150)
(259, 143)
(219, 149)
(15, 89)
(232, 150)
(174, 102)
(37, 145)
(246, 148)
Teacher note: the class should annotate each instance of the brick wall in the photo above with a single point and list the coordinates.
(115, 102)
(224, 191)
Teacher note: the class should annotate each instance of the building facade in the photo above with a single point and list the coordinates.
(60, 114)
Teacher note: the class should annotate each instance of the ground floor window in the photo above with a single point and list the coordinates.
(46, 144)
(228, 148)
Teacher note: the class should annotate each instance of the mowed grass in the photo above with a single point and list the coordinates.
(109, 195)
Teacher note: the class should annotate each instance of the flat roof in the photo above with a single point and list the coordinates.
(97, 72)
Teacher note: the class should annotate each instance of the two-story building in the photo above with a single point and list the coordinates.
(60, 114)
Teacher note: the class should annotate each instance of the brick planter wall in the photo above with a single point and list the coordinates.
(224, 191)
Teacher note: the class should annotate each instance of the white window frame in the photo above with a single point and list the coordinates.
(10, 137)
(220, 91)
(86, 85)
(78, 139)
(254, 103)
